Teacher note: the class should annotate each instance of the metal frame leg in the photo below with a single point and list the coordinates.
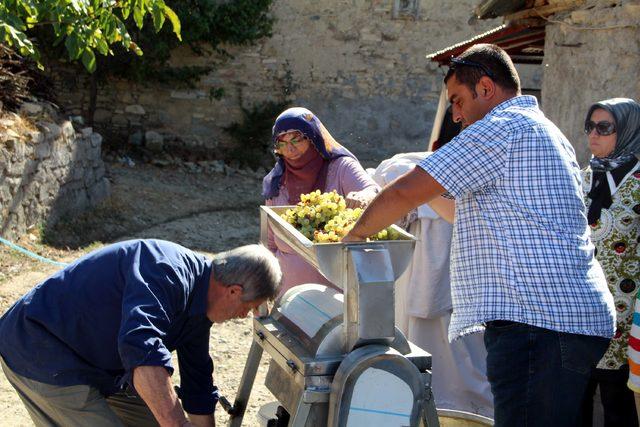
(301, 415)
(429, 412)
(246, 383)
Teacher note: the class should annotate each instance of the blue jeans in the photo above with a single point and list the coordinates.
(538, 376)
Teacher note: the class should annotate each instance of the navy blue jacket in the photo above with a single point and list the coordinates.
(126, 305)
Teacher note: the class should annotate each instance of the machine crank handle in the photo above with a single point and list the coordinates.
(227, 406)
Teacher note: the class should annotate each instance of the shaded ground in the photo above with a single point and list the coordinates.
(205, 212)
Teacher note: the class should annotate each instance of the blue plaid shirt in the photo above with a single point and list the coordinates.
(521, 249)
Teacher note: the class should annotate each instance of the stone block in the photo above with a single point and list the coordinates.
(154, 141)
(136, 138)
(12, 183)
(100, 171)
(44, 195)
(68, 131)
(17, 147)
(5, 195)
(60, 157)
(77, 174)
(94, 154)
(135, 121)
(368, 37)
(630, 10)
(135, 109)
(6, 122)
(89, 176)
(580, 16)
(188, 94)
(96, 139)
(102, 116)
(29, 169)
(10, 135)
(31, 109)
(51, 130)
(35, 137)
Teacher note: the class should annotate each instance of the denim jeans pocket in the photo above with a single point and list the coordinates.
(580, 353)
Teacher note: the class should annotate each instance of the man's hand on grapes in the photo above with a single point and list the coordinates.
(356, 199)
(350, 237)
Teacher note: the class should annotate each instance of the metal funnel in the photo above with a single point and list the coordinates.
(328, 258)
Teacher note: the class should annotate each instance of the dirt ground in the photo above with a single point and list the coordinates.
(207, 212)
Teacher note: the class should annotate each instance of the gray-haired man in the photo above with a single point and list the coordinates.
(73, 344)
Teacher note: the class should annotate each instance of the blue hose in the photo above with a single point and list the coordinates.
(31, 254)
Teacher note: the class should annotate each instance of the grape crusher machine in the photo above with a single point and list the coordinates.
(338, 360)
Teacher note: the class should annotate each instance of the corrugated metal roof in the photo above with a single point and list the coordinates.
(489, 9)
(525, 44)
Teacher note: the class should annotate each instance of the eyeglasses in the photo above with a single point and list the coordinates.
(458, 61)
(281, 143)
(602, 128)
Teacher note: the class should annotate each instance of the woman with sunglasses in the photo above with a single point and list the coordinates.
(612, 187)
(309, 159)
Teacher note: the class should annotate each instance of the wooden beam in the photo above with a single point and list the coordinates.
(544, 10)
(529, 22)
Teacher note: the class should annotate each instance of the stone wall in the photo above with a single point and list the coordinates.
(47, 172)
(594, 54)
(357, 64)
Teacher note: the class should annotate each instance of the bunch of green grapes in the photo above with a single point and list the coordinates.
(325, 218)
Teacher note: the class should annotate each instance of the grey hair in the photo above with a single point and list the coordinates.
(253, 267)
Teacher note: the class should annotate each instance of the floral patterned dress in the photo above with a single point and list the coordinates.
(616, 238)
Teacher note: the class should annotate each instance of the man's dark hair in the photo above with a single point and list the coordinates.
(488, 57)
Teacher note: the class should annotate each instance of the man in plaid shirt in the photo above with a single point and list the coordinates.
(522, 263)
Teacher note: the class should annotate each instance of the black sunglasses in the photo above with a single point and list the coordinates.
(603, 128)
(457, 62)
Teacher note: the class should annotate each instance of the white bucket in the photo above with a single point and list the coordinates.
(452, 418)
(266, 413)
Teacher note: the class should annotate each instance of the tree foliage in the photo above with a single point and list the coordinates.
(84, 27)
(208, 25)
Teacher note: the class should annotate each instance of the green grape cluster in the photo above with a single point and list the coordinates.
(325, 218)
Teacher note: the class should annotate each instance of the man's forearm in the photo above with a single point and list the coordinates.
(385, 209)
(394, 201)
(153, 384)
(446, 208)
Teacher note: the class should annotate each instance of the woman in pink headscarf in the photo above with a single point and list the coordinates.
(309, 159)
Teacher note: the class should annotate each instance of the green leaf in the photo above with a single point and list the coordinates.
(138, 13)
(102, 45)
(127, 7)
(175, 21)
(109, 29)
(89, 60)
(19, 40)
(72, 43)
(158, 17)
